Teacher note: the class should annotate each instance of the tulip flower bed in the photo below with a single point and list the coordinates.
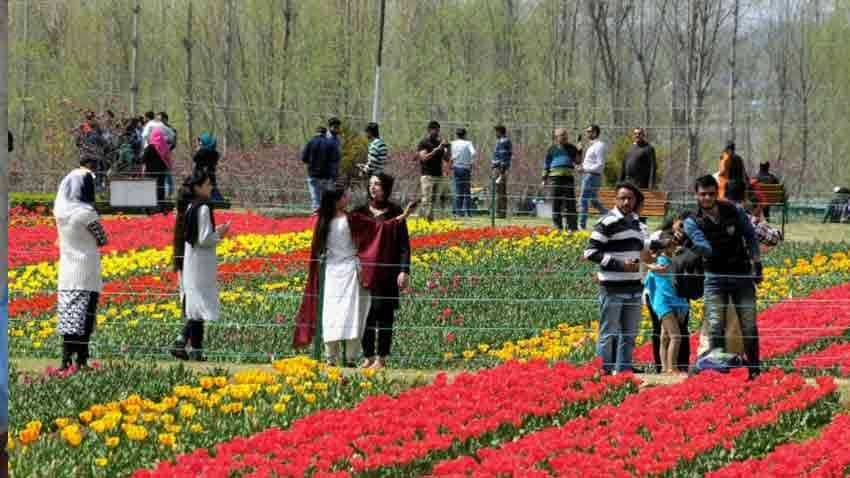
(31, 245)
(800, 312)
(261, 301)
(241, 254)
(34, 396)
(824, 457)
(115, 435)
(684, 429)
(123, 261)
(385, 436)
(834, 359)
(255, 300)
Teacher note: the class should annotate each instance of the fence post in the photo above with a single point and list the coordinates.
(492, 200)
(317, 336)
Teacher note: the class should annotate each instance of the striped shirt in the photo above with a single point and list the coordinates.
(377, 157)
(616, 240)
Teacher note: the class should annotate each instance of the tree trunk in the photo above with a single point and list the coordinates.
(134, 64)
(25, 83)
(187, 43)
(228, 76)
(733, 70)
(804, 145)
(287, 31)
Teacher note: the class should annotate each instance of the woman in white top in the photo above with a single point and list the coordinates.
(80, 283)
(345, 239)
(198, 279)
(345, 302)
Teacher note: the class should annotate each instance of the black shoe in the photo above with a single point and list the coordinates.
(178, 350)
(197, 356)
(67, 354)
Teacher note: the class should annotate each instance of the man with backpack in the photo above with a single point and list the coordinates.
(725, 239)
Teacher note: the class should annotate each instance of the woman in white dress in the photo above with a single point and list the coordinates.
(345, 240)
(345, 302)
(198, 279)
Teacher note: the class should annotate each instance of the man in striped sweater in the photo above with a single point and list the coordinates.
(377, 153)
(618, 243)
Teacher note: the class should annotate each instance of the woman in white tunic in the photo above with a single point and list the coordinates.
(79, 281)
(345, 303)
(344, 239)
(198, 279)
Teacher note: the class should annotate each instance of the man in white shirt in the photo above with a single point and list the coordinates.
(156, 123)
(463, 155)
(591, 169)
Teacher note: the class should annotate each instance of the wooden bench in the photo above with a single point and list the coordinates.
(654, 202)
(774, 195)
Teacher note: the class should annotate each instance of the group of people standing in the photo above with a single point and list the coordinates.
(81, 235)
(439, 160)
(713, 252)
(143, 145)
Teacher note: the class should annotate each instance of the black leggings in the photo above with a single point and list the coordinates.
(379, 323)
(79, 343)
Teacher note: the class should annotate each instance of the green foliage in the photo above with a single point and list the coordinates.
(354, 151)
(38, 202)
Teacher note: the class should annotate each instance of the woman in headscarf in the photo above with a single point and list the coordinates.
(157, 161)
(199, 285)
(206, 159)
(80, 283)
(353, 245)
(392, 276)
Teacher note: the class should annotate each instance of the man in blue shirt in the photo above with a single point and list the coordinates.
(322, 156)
(725, 238)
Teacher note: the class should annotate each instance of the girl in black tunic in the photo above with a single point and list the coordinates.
(394, 275)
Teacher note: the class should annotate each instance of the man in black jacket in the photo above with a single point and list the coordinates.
(639, 164)
(723, 235)
(322, 156)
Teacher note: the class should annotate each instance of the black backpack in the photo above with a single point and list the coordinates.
(688, 274)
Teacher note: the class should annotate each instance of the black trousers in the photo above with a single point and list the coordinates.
(562, 191)
(379, 328)
(684, 349)
(193, 330)
(79, 344)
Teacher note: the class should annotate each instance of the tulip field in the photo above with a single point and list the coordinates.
(495, 334)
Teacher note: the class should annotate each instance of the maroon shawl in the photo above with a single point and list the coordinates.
(372, 239)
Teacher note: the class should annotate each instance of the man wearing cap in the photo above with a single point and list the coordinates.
(463, 154)
(618, 243)
(432, 151)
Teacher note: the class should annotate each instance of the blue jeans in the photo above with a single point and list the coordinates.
(463, 194)
(589, 195)
(738, 292)
(318, 186)
(618, 327)
(169, 184)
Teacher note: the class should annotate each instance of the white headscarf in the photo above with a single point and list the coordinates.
(69, 196)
